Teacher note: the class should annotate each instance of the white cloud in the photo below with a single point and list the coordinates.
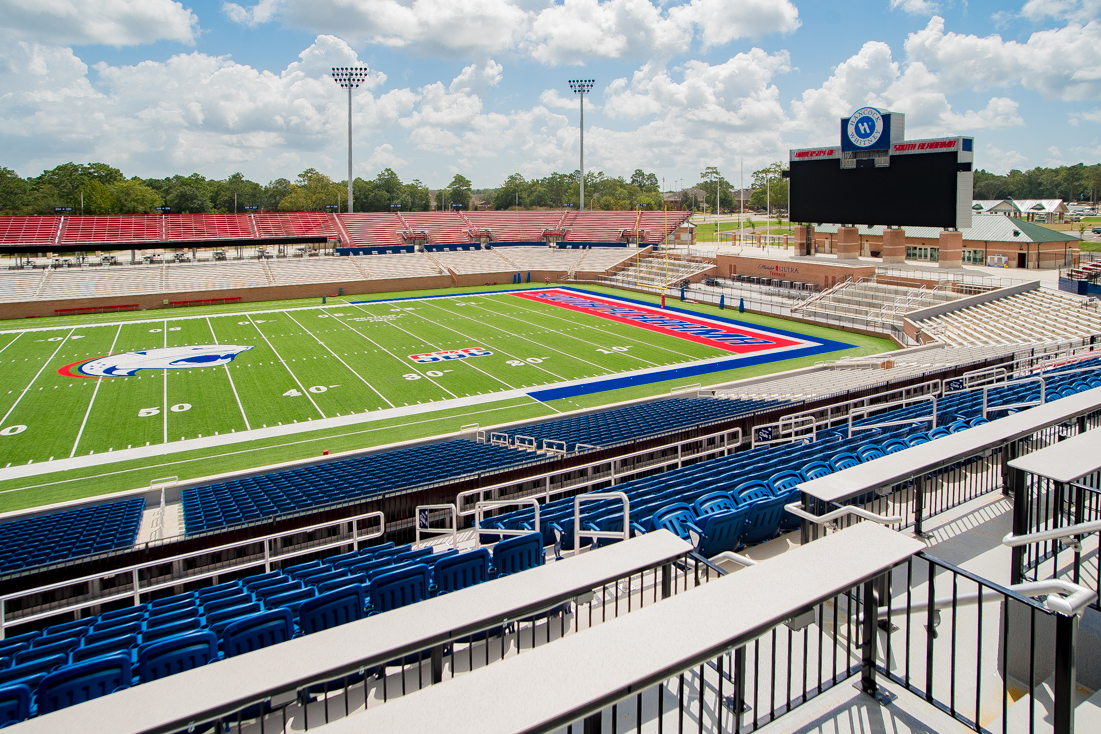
(1073, 10)
(1000, 112)
(915, 7)
(109, 22)
(996, 160)
(1059, 63)
(1093, 115)
(191, 112)
(571, 32)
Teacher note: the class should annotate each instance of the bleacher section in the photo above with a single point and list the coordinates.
(93, 656)
(20, 285)
(860, 374)
(57, 537)
(481, 261)
(867, 300)
(541, 258)
(1032, 317)
(361, 230)
(738, 500)
(442, 227)
(655, 272)
(313, 270)
(73, 283)
(373, 229)
(209, 276)
(516, 226)
(239, 501)
(383, 267)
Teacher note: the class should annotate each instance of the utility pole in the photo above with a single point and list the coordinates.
(581, 87)
(349, 77)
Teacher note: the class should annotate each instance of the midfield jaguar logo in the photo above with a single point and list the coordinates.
(128, 363)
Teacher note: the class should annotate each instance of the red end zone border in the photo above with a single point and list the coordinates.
(729, 337)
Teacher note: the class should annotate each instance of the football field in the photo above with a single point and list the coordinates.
(109, 391)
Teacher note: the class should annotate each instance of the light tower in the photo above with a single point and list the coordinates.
(581, 87)
(349, 77)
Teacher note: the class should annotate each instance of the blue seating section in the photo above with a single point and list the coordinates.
(61, 536)
(91, 657)
(246, 500)
(738, 500)
(635, 421)
(239, 501)
(468, 247)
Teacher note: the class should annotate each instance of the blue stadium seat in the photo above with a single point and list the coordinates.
(399, 588)
(81, 682)
(257, 631)
(15, 704)
(332, 609)
(176, 654)
(516, 554)
(461, 571)
(109, 646)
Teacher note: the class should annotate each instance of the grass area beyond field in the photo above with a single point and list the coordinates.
(300, 363)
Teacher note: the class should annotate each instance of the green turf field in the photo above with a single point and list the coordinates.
(308, 363)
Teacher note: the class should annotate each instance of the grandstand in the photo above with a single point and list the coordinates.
(325, 592)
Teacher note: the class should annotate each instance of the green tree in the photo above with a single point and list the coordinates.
(646, 181)
(134, 197)
(14, 192)
(513, 193)
(188, 200)
(312, 192)
(776, 193)
(272, 195)
(457, 195)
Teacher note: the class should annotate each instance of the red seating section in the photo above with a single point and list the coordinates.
(295, 224)
(373, 229)
(208, 227)
(516, 226)
(362, 229)
(28, 230)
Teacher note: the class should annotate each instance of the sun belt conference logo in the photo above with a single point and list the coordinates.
(865, 127)
(431, 357)
(128, 363)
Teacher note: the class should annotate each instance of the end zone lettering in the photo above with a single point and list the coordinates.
(430, 357)
(734, 338)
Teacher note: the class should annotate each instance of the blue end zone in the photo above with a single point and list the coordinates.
(822, 346)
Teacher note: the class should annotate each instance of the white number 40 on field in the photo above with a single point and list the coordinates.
(292, 393)
(178, 408)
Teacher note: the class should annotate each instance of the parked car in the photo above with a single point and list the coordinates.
(1096, 230)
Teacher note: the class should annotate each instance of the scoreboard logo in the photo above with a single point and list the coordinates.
(443, 356)
(865, 127)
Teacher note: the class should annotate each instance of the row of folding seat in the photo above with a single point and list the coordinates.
(87, 658)
(61, 536)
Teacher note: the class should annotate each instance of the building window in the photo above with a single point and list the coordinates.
(975, 257)
(922, 252)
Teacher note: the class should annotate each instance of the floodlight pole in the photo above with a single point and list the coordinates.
(581, 87)
(349, 77)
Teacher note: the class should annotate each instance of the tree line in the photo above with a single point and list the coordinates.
(1080, 183)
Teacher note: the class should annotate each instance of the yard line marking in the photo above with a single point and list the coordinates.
(465, 336)
(13, 341)
(518, 336)
(601, 330)
(31, 384)
(284, 363)
(92, 402)
(164, 405)
(399, 359)
(341, 360)
(230, 376)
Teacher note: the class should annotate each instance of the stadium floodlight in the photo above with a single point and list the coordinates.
(349, 77)
(581, 87)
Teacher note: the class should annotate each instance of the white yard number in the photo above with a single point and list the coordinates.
(522, 362)
(434, 373)
(411, 376)
(146, 412)
(292, 393)
(180, 408)
(12, 430)
(613, 350)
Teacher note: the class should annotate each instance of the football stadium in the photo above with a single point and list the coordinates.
(548, 471)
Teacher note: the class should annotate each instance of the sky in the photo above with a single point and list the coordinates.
(479, 87)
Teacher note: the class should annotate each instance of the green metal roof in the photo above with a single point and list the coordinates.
(984, 228)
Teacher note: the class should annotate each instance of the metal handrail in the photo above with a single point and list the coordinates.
(796, 508)
(479, 510)
(1027, 404)
(1071, 601)
(453, 531)
(1067, 531)
(882, 406)
(136, 569)
(578, 534)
